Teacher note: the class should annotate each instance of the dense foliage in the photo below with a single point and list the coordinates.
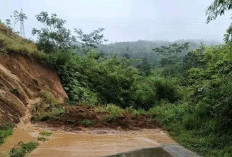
(101, 81)
(202, 119)
(143, 50)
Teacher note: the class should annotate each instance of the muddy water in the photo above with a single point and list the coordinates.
(23, 132)
(97, 143)
(26, 133)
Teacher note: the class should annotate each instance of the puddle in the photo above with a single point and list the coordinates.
(96, 145)
(149, 152)
(26, 133)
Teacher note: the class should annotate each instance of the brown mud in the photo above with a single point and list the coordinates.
(74, 116)
(97, 143)
(23, 79)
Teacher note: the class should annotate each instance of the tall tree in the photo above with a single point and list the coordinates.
(145, 67)
(91, 40)
(171, 55)
(54, 36)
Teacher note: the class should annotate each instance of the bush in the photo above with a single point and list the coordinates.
(86, 122)
(152, 90)
(52, 114)
(166, 90)
(115, 111)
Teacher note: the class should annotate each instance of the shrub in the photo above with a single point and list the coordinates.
(152, 90)
(86, 122)
(115, 111)
(135, 112)
(49, 98)
(52, 114)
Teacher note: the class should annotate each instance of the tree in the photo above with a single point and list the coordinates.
(91, 40)
(8, 23)
(171, 55)
(126, 55)
(145, 67)
(218, 8)
(54, 36)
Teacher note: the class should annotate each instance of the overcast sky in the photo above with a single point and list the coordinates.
(127, 20)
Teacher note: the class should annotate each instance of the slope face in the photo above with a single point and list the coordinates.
(22, 80)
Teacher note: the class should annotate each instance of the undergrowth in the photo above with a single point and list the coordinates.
(22, 149)
(48, 109)
(180, 122)
(5, 131)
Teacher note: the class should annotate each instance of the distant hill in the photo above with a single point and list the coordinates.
(143, 49)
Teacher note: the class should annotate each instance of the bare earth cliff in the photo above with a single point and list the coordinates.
(22, 79)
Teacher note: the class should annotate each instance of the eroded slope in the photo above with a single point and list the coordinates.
(23, 79)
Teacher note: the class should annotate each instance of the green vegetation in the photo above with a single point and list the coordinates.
(42, 138)
(22, 149)
(86, 122)
(5, 131)
(48, 109)
(10, 42)
(44, 135)
(201, 121)
(218, 8)
(115, 111)
(136, 112)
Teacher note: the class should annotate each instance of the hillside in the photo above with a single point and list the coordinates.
(23, 78)
(143, 49)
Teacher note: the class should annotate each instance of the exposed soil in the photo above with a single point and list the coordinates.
(22, 79)
(74, 117)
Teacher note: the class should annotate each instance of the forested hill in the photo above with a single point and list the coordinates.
(143, 49)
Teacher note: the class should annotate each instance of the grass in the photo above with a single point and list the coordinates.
(45, 133)
(49, 98)
(86, 122)
(22, 149)
(5, 131)
(53, 113)
(135, 113)
(100, 109)
(11, 42)
(42, 138)
(181, 124)
(48, 109)
(115, 111)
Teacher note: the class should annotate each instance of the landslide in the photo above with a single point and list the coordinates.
(23, 77)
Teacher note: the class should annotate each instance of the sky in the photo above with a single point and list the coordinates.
(127, 20)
